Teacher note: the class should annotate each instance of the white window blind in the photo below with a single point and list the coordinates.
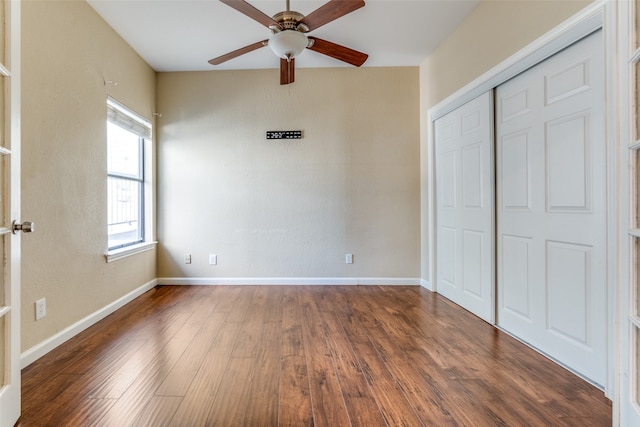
(123, 117)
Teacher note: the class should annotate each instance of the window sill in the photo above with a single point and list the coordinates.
(130, 250)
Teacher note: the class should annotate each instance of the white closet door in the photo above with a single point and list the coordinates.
(465, 205)
(551, 207)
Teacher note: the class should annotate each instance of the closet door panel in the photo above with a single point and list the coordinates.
(551, 216)
(465, 206)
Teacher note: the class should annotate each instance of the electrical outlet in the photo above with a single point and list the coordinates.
(349, 258)
(213, 259)
(41, 308)
(187, 258)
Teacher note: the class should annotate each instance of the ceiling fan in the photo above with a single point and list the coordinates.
(289, 34)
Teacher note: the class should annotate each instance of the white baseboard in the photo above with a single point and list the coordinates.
(288, 281)
(426, 284)
(39, 350)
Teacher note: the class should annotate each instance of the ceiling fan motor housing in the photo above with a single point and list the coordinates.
(289, 20)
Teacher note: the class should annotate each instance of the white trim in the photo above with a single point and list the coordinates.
(289, 281)
(427, 285)
(582, 24)
(611, 112)
(127, 251)
(44, 347)
(431, 200)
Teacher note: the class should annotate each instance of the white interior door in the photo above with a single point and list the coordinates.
(465, 206)
(551, 207)
(9, 208)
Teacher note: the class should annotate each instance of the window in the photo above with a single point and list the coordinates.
(128, 140)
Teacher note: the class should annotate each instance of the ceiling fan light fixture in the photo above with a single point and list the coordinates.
(288, 44)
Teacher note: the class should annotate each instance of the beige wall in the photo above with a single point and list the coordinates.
(289, 208)
(494, 31)
(68, 52)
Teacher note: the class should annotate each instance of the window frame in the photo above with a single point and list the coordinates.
(122, 116)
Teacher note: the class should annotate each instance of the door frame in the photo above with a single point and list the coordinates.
(599, 16)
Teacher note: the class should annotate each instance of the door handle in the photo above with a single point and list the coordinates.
(25, 227)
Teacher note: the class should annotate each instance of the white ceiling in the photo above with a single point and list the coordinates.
(182, 35)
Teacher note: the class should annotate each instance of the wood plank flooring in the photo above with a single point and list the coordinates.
(301, 356)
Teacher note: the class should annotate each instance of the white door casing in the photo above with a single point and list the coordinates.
(551, 208)
(465, 206)
(10, 208)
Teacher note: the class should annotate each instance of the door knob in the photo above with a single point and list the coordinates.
(25, 227)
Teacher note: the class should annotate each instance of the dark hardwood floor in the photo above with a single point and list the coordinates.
(300, 356)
